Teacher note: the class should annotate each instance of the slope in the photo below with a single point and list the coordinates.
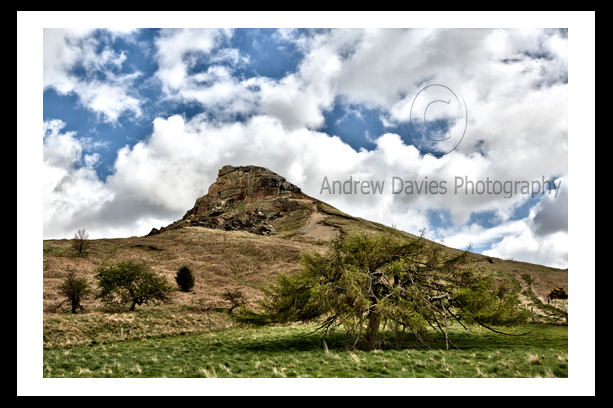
(250, 227)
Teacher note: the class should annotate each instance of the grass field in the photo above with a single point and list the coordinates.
(288, 352)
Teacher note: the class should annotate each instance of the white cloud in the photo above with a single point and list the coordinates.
(479, 236)
(181, 50)
(173, 44)
(551, 213)
(541, 237)
(61, 51)
(72, 193)
(110, 101)
(65, 49)
(550, 251)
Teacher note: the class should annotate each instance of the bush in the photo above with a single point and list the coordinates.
(131, 282)
(558, 293)
(235, 297)
(185, 279)
(75, 290)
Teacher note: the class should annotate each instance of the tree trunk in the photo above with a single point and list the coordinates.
(446, 326)
(133, 306)
(371, 337)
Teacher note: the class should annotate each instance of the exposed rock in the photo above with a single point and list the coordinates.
(155, 231)
(246, 184)
(227, 204)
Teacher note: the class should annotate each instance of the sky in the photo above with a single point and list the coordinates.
(137, 122)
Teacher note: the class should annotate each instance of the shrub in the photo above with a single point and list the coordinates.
(74, 289)
(185, 279)
(558, 293)
(235, 297)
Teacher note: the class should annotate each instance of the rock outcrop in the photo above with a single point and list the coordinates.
(246, 184)
(244, 198)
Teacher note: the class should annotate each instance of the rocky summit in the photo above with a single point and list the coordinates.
(246, 184)
(245, 198)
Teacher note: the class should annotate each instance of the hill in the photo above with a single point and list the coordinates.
(251, 226)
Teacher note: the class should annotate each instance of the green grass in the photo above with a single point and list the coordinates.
(287, 352)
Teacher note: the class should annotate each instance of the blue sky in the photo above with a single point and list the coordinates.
(136, 123)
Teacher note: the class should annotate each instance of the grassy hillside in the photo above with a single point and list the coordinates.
(222, 260)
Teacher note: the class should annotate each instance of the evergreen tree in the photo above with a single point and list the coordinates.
(368, 281)
(185, 279)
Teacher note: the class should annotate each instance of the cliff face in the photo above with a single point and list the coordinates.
(246, 184)
(244, 198)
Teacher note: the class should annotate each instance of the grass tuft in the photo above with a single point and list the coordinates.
(534, 359)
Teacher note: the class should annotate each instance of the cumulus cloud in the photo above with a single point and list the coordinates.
(551, 250)
(73, 195)
(181, 55)
(499, 73)
(61, 51)
(66, 50)
(478, 236)
(541, 237)
(551, 214)
(172, 47)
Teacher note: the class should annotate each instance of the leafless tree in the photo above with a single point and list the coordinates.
(80, 243)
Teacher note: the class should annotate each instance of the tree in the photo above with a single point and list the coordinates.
(235, 297)
(80, 243)
(368, 281)
(185, 279)
(131, 282)
(75, 289)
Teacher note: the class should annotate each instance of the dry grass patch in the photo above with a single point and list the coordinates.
(534, 359)
(219, 260)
